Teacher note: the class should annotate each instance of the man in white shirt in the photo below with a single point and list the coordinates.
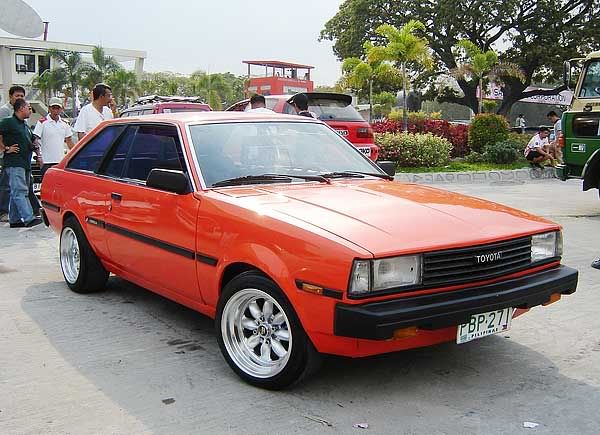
(258, 104)
(535, 152)
(95, 112)
(53, 132)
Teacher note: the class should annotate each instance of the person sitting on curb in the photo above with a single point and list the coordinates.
(535, 152)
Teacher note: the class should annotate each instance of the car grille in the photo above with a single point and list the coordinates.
(476, 263)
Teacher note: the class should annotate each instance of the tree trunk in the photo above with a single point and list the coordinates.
(480, 105)
(405, 107)
(371, 99)
(74, 99)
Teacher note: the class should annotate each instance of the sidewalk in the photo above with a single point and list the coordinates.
(479, 177)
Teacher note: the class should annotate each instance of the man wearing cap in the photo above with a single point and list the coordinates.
(300, 104)
(53, 132)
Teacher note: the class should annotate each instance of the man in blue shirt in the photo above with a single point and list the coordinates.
(16, 139)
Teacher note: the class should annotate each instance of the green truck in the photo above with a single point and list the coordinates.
(581, 124)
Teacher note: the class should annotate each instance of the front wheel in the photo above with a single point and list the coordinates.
(260, 335)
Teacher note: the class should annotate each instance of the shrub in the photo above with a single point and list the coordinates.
(518, 138)
(502, 152)
(487, 129)
(475, 157)
(456, 134)
(412, 150)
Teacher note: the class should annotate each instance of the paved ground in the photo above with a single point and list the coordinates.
(129, 362)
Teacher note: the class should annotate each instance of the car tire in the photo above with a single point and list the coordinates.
(260, 336)
(80, 266)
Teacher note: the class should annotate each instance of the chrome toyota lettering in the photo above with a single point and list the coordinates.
(486, 258)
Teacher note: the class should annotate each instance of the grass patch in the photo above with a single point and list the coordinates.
(467, 167)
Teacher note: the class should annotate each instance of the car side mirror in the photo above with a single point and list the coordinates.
(567, 73)
(168, 180)
(388, 167)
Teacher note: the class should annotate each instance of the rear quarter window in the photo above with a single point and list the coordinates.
(89, 157)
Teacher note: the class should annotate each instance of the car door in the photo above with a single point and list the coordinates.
(92, 193)
(151, 233)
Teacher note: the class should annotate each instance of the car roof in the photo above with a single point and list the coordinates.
(201, 117)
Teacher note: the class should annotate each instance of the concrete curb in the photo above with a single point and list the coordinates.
(479, 177)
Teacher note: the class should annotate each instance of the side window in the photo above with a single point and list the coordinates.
(154, 146)
(115, 162)
(146, 112)
(587, 125)
(89, 157)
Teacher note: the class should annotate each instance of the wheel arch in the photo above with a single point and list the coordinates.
(591, 172)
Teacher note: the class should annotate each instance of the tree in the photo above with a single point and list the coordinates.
(539, 35)
(406, 48)
(360, 75)
(482, 68)
(73, 69)
(123, 84)
(100, 68)
(49, 83)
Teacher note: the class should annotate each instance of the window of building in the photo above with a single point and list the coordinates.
(43, 64)
(25, 63)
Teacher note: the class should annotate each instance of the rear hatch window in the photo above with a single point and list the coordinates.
(333, 110)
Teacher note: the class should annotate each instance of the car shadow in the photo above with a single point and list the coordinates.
(160, 362)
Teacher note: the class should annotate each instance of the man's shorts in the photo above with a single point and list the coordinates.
(533, 155)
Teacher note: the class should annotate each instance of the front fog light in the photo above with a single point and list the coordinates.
(545, 246)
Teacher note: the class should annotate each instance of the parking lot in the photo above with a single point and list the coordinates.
(127, 361)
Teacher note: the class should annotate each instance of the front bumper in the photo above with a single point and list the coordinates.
(379, 320)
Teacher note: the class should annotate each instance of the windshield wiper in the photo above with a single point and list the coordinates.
(267, 179)
(356, 174)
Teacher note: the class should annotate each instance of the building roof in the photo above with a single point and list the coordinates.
(277, 64)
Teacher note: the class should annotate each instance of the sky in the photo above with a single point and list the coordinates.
(188, 35)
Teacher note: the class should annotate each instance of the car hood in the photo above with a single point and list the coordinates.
(389, 218)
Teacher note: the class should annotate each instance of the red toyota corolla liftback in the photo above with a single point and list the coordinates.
(295, 242)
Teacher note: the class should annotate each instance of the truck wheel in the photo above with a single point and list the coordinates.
(80, 266)
(260, 335)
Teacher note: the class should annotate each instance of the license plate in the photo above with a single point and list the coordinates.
(342, 132)
(366, 151)
(484, 324)
(37, 187)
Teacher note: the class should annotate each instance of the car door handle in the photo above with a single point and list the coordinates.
(116, 196)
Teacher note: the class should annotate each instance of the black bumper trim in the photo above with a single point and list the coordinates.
(379, 320)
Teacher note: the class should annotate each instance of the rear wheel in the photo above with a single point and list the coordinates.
(81, 268)
(260, 335)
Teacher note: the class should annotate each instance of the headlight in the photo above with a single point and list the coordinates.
(547, 245)
(376, 275)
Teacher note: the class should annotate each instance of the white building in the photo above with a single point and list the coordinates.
(22, 59)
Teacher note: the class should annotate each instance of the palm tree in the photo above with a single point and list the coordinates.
(406, 48)
(49, 82)
(483, 67)
(361, 74)
(73, 68)
(124, 84)
(100, 68)
(212, 88)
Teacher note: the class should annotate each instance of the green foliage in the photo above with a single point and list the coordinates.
(501, 152)
(487, 129)
(409, 150)
(521, 139)
(475, 157)
(489, 106)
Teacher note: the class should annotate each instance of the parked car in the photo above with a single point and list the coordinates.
(154, 104)
(295, 242)
(335, 110)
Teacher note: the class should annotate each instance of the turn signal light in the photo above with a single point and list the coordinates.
(312, 289)
(553, 298)
(405, 332)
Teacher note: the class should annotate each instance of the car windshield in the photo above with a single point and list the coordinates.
(248, 149)
(590, 87)
(333, 110)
